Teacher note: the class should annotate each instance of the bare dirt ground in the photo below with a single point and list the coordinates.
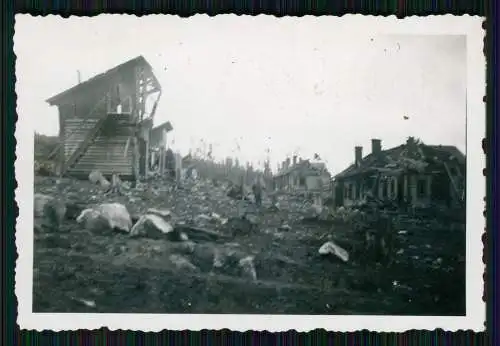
(76, 270)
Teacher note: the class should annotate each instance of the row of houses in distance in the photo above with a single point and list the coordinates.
(411, 174)
(302, 175)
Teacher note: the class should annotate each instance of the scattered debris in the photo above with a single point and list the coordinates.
(49, 209)
(285, 227)
(248, 267)
(96, 177)
(116, 184)
(330, 248)
(182, 263)
(221, 239)
(166, 214)
(87, 303)
(151, 226)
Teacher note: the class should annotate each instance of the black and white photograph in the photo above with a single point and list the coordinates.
(250, 172)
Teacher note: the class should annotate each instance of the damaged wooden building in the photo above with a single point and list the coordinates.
(301, 176)
(105, 123)
(412, 174)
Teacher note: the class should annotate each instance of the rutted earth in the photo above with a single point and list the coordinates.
(271, 267)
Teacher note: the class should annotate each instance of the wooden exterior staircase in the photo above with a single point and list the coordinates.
(80, 151)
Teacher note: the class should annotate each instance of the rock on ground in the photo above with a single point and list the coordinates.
(332, 248)
(152, 226)
(166, 214)
(93, 221)
(248, 267)
(113, 216)
(182, 263)
(49, 209)
(96, 177)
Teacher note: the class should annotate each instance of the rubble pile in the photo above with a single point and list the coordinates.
(204, 246)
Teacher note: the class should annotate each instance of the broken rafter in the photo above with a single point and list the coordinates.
(453, 182)
(151, 91)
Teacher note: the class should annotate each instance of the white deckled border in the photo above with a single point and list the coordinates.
(476, 189)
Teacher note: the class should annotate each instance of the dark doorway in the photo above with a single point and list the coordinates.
(440, 188)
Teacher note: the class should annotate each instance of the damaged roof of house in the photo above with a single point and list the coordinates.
(102, 77)
(306, 167)
(390, 156)
(157, 132)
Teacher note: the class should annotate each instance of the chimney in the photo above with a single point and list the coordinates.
(376, 146)
(358, 155)
(294, 160)
(287, 162)
(283, 165)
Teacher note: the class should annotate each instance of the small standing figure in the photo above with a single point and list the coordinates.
(257, 192)
(170, 163)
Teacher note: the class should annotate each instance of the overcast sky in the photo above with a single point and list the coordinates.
(258, 82)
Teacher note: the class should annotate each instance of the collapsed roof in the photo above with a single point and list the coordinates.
(413, 155)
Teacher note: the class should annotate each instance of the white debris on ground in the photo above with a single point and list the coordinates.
(248, 267)
(115, 215)
(151, 226)
(330, 248)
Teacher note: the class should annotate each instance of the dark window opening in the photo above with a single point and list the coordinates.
(393, 187)
(421, 187)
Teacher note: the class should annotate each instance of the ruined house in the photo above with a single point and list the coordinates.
(302, 176)
(105, 124)
(158, 145)
(412, 174)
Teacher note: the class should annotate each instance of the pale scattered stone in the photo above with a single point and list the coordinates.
(166, 214)
(248, 267)
(331, 248)
(203, 219)
(117, 214)
(95, 176)
(113, 216)
(151, 225)
(219, 259)
(88, 303)
(285, 227)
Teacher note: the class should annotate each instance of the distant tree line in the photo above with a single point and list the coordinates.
(44, 145)
(227, 170)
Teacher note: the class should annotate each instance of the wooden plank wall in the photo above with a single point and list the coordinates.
(109, 152)
(76, 130)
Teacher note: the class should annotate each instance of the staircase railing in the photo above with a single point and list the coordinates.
(60, 146)
(81, 149)
(89, 138)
